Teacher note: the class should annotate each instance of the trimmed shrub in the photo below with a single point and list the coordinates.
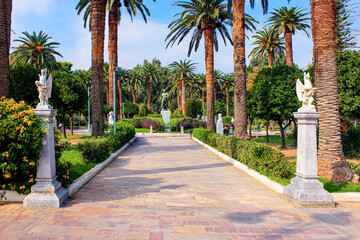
(155, 115)
(143, 110)
(174, 123)
(146, 123)
(187, 123)
(94, 149)
(131, 108)
(21, 135)
(258, 156)
(193, 108)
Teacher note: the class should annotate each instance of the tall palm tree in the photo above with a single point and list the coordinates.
(36, 50)
(182, 70)
(205, 17)
(331, 160)
(201, 79)
(151, 71)
(218, 82)
(122, 76)
(134, 82)
(5, 27)
(228, 84)
(114, 8)
(97, 45)
(239, 63)
(268, 43)
(288, 21)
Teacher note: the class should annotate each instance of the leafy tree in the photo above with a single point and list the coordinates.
(69, 95)
(182, 70)
(344, 39)
(349, 83)
(35, 49)
(288, 21)
(204, 17)
(273, 95)
(194, 107)
(134, 82)
(151, 71)
(22, 84)
(268, 43)
(228, 84)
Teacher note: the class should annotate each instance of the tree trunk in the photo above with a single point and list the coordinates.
(120, 98)
(63, 123)
(227, 102)
(5, 28)
(203, 97)
(288, 47)
(267, 132)
(239, 68)
(134, 94)
(331, 160)
(149, 91)
(180, 98)
(209, 62)
(282, 134)
(183, 96)
(192, 93)
(113, 51)
(97, 43)
(250, 120)
(271, 59)
(71, 125)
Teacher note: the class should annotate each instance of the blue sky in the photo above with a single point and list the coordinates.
(137, 40)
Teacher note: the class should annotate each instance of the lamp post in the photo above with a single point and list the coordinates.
(89, 123)
(114, 85)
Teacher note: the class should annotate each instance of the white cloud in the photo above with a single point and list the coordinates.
(40, 7)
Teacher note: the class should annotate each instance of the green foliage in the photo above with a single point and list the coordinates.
(187, 123)
(21, 135)
(220, 107)
(106, 109)
(258, 156)
(126, 128)
(177, 114)
(143, 110)
(227, 120)
(193, 107)
(351, 142)
(173, 105)
(94, 149)
(349, 83)
(22, 84)
(339, 187)
(131, 108)
(344, 38)
(155, 115)
(174, 123)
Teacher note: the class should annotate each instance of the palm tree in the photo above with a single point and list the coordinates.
(205, 17)
(268, 43)
(122, 76)
(134, 82)
(331, 160)
(114, 7)
(5, 27)
(151, 71)
(228, 84)
(218, 82)
(182, 70)
(36, 50)
(288, 21)
(201, 79)
(239, 63)
(97, 45)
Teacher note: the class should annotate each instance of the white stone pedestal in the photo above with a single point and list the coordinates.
(182, 129)
(151, 129)
(166, 117)
(305, 190)
(47, 192)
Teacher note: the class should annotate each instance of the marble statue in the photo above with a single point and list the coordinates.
(111, 118)
(44, 87)
(220, 125)
(305, 94)
(164, 100)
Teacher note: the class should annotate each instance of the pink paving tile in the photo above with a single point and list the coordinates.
(156, 236)
(106, 234)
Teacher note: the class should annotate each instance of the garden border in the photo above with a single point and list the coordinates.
(275, 186)
(162, 134)
(14, 197)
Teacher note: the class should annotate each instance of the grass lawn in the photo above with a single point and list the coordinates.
(145, 130)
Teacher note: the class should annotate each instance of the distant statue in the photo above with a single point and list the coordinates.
(111, 118)
(164, 100)
(44, 87)
(305, 94)
(220, 125)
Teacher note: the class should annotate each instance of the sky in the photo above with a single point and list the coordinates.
(137, 40)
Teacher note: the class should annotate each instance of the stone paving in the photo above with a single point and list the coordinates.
(172, 188)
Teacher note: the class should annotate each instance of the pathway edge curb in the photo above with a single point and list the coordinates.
(277, 187)
(81, 181)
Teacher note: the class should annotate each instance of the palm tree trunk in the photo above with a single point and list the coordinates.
(97, 43)
(288, 47)
(120, 98)
(331, 160)
(203, 97)
(5, 27)
(183, 96)
(149, 92)
(239, 68)
(134, 94)
(180, 98)
(71, 124)
(209, 62)
(250, 123)
(113, 52)
(192, 93)
(227, 102)
(271, 59)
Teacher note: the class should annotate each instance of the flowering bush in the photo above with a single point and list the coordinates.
(21, 135)
(146, 123)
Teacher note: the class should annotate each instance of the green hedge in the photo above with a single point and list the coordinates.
(258, 156)
(187, 122)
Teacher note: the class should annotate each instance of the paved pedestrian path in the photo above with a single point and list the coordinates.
(172, 188)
